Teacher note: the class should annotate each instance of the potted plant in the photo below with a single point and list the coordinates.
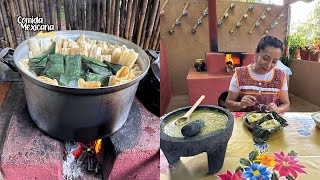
(314, 50)
(299, 43)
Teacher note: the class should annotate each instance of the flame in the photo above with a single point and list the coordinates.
(235, 59)
(97, 146)
(229, 58)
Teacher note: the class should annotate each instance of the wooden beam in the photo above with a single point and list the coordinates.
(213, 31)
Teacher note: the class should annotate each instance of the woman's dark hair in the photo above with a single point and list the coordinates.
(269, 41)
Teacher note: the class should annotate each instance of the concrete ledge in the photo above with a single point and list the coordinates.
(27, 152)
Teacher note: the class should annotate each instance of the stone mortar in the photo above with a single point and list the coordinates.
(215, 143)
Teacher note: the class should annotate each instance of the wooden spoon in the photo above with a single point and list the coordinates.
(185, 117)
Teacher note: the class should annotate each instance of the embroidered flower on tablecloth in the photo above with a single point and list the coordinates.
(261, 146)
(238, 114)
(266, 160)
(261, 165)
(287, 165)
(230, 176)
(256, 172)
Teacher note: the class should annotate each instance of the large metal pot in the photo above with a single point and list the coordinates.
(80, 114)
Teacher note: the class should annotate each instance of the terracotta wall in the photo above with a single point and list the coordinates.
(241, 40)
(305, 81)
(165, 83)
(183, 47)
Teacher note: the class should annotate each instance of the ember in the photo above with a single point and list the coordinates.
(86, 155)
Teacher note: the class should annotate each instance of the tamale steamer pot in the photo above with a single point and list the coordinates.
(80, 114)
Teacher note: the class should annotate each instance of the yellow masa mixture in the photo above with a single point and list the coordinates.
(214, 121)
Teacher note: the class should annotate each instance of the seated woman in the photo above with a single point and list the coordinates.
(260, 83)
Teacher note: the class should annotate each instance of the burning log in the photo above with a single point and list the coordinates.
(86, 155)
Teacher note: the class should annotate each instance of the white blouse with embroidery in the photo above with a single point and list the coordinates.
(234, 84)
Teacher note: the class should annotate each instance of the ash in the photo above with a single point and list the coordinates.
(71, 169)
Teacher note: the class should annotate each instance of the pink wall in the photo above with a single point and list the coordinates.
(165, 84)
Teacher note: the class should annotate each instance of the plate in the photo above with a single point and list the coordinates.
(246, 121)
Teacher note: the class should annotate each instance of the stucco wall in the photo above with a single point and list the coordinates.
(305, 80)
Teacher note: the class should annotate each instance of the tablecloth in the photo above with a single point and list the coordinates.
(301, 135)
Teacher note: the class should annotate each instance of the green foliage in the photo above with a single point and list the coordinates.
(274, 176)
(286, 60)
(298, 39)
(253, 155)
(306, 32)
(239, 168)
(245, 162)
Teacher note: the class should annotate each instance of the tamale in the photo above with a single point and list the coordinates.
(72, 71)
(55, 66)
(37, 64)
(91, 67)
(96, 77)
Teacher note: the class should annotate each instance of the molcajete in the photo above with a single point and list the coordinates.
(214, 143)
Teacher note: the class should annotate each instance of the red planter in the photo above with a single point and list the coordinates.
(315, 57)
(305, 55)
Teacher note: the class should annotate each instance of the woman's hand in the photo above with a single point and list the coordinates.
(272, 107)
(247, 100)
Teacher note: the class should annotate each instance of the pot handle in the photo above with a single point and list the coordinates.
(153, 54)
(3, 53)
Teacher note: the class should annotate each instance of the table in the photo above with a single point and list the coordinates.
(300, 135)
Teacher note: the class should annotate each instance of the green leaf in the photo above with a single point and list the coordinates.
(38, 67)
(72, 71)
(92, 60)
(43, 55)
(38, 64)
(293, 153)
(274, 176)
(239, 168)
(245, 162)
(103, 71)
(289, 177)
(96, 77)
(55, 66)
(253, 155)
(113, 67)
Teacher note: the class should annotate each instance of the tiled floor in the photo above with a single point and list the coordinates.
(297, 104)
